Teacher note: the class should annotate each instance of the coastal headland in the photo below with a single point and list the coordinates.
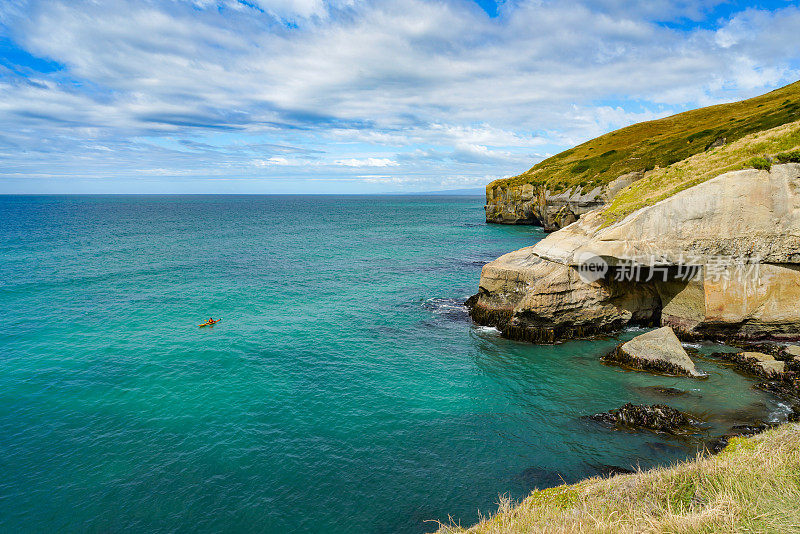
(692, 224)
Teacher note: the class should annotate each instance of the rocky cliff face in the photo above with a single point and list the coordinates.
(532, 204)
(718, 260)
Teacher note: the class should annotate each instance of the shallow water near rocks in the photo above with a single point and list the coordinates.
(345, 390)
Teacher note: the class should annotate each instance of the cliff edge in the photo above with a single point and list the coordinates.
(560, 189)
(719, 260)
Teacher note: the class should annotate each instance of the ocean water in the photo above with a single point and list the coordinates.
(345, 390)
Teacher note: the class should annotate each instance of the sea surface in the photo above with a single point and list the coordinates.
(345, 390)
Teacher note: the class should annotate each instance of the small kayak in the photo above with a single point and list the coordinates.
(209, 323)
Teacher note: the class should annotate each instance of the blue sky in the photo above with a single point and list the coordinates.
(344, 96)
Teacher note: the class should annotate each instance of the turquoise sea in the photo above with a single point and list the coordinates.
(345, 390)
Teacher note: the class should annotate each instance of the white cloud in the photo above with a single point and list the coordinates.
(366, 162)
(275, 160)
(448, 89)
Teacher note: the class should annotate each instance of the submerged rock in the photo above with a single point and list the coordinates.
(539, 477)
(611, 470)
(662, 391)
(660, 447)
(659, 351)
(658, 418)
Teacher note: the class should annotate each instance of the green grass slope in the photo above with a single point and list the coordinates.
(660, 143)
(756, 150)
(751, 486)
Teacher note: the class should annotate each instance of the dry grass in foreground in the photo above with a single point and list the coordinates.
(752, 486)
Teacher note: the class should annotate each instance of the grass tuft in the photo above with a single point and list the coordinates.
(788, 157)
(759, 162)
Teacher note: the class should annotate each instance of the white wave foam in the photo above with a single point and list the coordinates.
(635, 329)
(444, 306)
(780, 413)
(487, 329)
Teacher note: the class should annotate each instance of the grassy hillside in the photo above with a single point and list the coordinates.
(757, 150)
(752, 486)
(662, 142)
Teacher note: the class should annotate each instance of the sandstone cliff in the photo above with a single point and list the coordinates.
(737, 235)
(536, 204)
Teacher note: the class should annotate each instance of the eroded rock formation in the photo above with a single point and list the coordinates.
(718, 260)
(533, 204)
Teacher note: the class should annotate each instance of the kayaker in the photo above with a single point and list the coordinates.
(211, 320)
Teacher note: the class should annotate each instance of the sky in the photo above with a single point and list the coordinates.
(349, 96)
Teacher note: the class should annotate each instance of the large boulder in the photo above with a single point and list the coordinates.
(740, 231)
(659, 351)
